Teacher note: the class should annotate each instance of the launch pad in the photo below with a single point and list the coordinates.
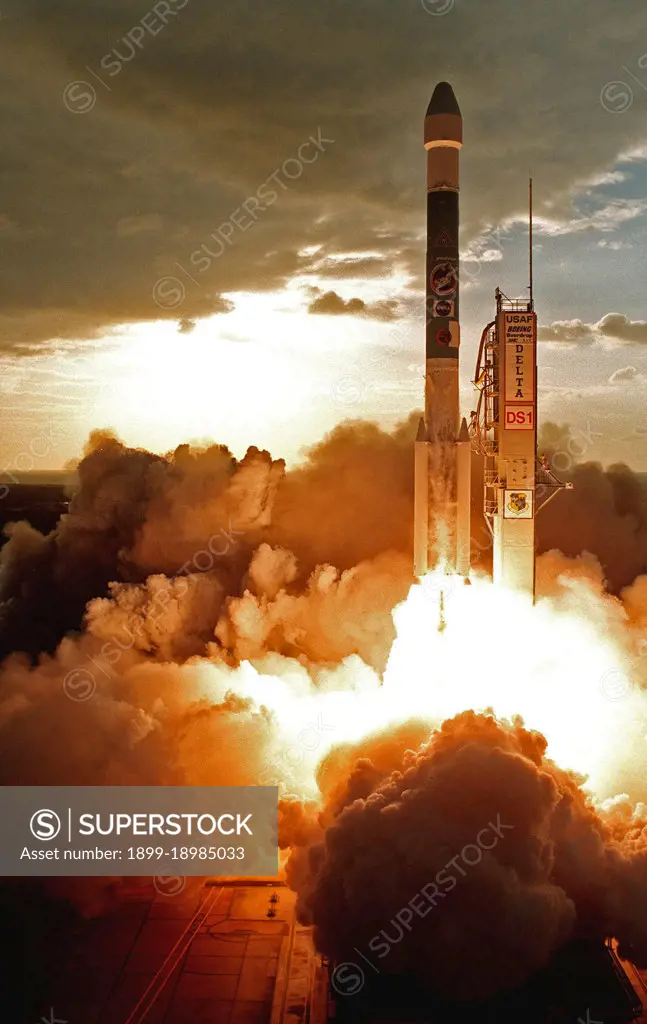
(232, 952)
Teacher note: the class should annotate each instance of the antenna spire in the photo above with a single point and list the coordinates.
(531, 305)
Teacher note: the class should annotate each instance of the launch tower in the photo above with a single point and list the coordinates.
(516, 483)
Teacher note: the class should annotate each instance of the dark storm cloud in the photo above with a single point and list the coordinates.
(185, 110)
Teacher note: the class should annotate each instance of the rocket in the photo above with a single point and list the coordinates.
(443, 444)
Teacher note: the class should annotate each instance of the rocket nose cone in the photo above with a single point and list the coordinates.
(443, 101)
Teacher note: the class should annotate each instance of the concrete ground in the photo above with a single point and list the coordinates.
(227, 952)
(219, 953)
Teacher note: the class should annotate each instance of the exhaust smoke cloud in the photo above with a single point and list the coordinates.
(198, 619)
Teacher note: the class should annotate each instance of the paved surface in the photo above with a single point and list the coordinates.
(229, 953)
(208, 955)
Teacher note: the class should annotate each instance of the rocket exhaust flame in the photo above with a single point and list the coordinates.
(570, 646)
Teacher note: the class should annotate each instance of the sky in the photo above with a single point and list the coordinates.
(212, 215)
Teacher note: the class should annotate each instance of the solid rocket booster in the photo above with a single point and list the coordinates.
(442, 458)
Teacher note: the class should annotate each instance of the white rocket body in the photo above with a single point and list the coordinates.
(442, 448)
